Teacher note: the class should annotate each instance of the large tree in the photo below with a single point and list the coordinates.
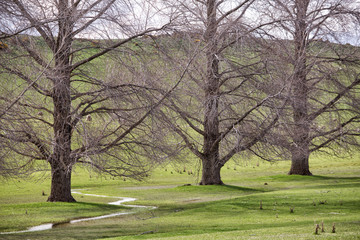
(63, 102)
(220, 110)
(304, 48)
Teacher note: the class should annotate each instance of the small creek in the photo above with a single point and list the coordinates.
(121, 202)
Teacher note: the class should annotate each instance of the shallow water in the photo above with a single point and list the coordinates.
(49, 226)
(41, 227)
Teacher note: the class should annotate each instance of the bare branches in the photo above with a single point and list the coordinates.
(34, 22)
(31, 85)
(221, 108)
(321, 73)
(340, 95)
(94, 18)
(70, 103)
(116, 45)
(223, 77)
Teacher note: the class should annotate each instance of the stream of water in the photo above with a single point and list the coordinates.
(121, 202)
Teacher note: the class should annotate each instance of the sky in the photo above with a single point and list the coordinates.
(134, 16)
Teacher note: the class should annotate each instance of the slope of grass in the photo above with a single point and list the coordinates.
(231, 211)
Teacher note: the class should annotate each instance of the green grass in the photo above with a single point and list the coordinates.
(231, 211)
(18, 216)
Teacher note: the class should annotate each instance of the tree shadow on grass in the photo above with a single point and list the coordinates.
(244, 189)
(338, 185)
(216, 188)
(287, 178)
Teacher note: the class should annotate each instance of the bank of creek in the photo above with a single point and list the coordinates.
(121, 202)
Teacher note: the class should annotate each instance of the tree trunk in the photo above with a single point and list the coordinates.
(300, 160)
(211, 172)
(60, 184)
(301, 122)
(211, 167)
(61, 162)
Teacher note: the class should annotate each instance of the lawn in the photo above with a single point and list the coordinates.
(291, 205)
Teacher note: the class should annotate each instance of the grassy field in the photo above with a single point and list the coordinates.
(231, 211)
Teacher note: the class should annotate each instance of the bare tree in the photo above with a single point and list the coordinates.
(63, 102)
(321, 75)
(220, 110)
